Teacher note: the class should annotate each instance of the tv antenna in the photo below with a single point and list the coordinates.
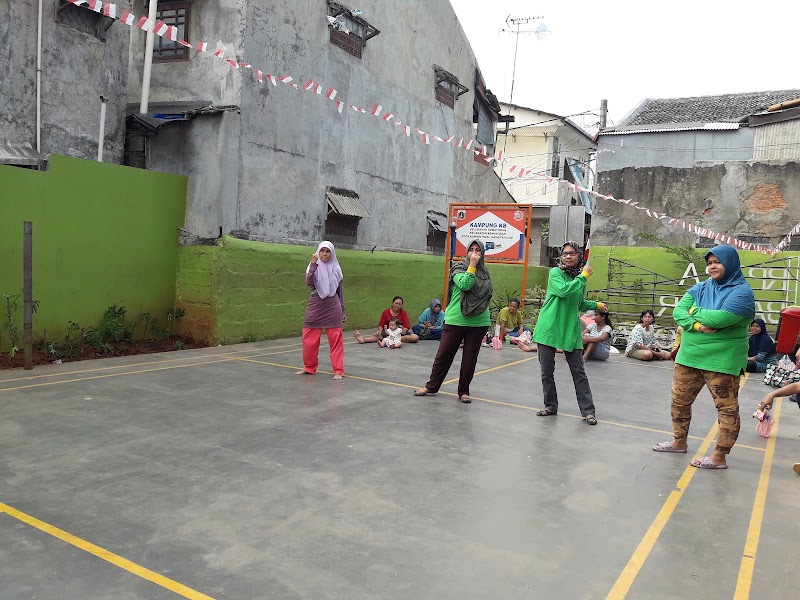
(541, 32)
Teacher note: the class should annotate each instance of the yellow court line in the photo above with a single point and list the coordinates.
(195, 364)
(623, 584)
(475, 398)
(511, 364)
(745, 579)
(104, 554)
(145, 363)
(636, 562)
(296, 348)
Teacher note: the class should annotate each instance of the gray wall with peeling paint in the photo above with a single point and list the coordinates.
(265, 169)
(77, 68)
(735, 198)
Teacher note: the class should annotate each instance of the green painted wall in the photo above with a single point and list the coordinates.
(242, 288)
(103, 234)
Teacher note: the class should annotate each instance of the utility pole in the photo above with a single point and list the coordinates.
(511, 23)
(603, 113)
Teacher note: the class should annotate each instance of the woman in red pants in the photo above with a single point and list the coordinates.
(325, 310)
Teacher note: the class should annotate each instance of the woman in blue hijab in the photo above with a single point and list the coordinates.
(761, 352)
(715, 316)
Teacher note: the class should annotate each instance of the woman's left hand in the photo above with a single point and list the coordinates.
(706, 329)
(344, 317)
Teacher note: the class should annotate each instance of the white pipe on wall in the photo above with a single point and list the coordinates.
(39, 80)
(148, 59)
(103, 101)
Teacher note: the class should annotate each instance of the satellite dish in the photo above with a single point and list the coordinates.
(542, 31)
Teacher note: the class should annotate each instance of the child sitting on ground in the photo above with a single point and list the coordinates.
(393, 335)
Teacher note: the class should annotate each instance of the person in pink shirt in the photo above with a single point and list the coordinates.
(325, 310)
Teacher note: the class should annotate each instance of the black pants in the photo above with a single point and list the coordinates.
(547, 363)
(452, 336)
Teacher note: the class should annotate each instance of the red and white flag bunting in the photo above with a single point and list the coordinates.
(161, 29)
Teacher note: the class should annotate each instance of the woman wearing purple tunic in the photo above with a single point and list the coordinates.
(325, 310)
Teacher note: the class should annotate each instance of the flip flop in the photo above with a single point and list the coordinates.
(668, 447)
(465, 398)
(705, 463)
(423, 391)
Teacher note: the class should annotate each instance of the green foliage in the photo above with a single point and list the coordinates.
(179, 345)
(10, 330)
(685, 254)
(249, 338)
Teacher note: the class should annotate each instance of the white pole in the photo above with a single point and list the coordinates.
(148, 58)
(103, 101)
(39, 80)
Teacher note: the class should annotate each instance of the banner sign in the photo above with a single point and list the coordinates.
(502, 231)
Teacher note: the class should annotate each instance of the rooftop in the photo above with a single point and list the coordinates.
(708, 109)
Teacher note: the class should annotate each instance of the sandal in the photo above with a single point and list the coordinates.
(545, 412)
(707, 463)
(465, 398)
(590, 419)
(423, 391)
(669, 447)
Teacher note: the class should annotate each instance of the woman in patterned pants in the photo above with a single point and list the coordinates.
(715, 316)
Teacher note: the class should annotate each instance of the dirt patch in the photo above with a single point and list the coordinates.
(40, 357)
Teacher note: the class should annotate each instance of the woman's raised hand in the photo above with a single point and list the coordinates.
(474, 258)
(314, 257)
(588, 270)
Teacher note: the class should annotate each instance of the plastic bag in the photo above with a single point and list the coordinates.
(765, 422)
(786, 363)
(496, 343)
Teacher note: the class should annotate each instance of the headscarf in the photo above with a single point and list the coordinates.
(328, 275)
(435, 319)
(476, 299)
(571, 271)
(761, 342)
(731, 293)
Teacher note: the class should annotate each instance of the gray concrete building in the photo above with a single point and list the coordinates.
(278, 163)
(84, 55)
(725, 163)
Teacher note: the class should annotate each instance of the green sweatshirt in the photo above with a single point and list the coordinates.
(558, 324)
(722, 352)
(452, 314)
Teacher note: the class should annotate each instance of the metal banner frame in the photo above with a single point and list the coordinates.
(496, 209)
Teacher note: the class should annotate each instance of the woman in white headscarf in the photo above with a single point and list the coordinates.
(325, 310)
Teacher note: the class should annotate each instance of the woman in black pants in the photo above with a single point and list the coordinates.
(466, 319)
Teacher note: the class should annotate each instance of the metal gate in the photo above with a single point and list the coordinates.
(630, 289)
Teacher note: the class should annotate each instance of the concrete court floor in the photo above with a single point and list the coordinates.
(219, 473)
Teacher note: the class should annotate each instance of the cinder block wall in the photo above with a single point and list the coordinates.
(250, 290)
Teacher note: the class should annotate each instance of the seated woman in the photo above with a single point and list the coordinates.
(597, 337)
(761, 352)
(430, 322)
(642, 341)
(510, 321)
(396, 311)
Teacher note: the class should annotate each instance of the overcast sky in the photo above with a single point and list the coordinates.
(626, 50)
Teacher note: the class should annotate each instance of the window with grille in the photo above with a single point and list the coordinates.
(176, 14)
(83, 19)
(349, 31)
(755, 239)
(705, 242)
(447, 88)
(437, 232)
(341, 229)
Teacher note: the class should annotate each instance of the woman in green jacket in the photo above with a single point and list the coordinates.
(558, 326)
(715, 316)
(466, 319)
